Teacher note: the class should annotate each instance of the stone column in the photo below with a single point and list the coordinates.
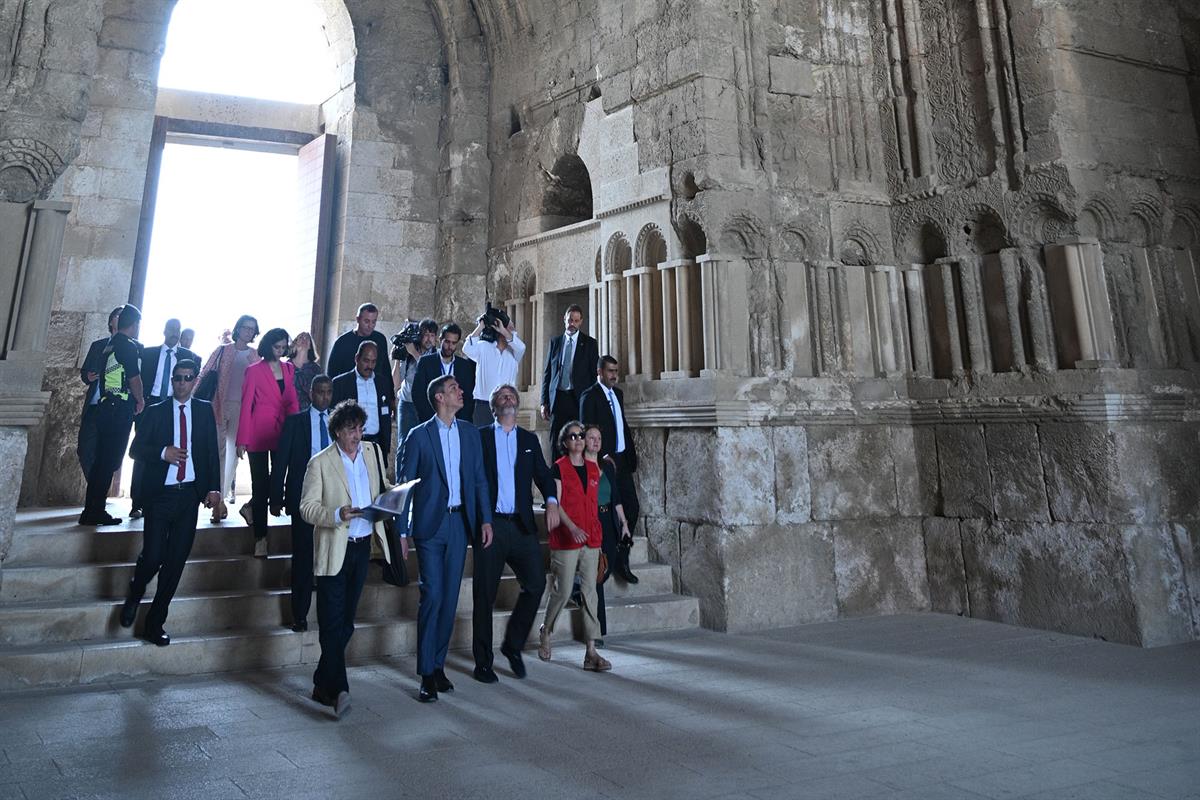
(39, 273)
(1083, 320)
(646, 324)
(953, 334)
(518, 312)
(828, 352)
(670, 339)
(978, 344)
(726, 309)
(799, 334)
(633, 318)
(533, 345)
(918, 318)
(614, 297)
(1010, 271)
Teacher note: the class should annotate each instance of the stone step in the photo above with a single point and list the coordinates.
(102, 661)
(209, 573)
(72, 545)
(215, 612)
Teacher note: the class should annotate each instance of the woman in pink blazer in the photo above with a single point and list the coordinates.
(268, 396)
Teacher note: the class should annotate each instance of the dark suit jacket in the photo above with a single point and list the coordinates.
(93, 362)
(345, 347)
(150, 367)
(431, 497)
(594, 409)
(291, 462)
(583, 367)
(345, 387)
(429, 369)
(530, 468)
(157, 430)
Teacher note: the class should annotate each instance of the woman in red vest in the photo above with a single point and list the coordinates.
(575, 543)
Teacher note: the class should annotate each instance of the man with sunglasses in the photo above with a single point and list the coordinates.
(177, 444)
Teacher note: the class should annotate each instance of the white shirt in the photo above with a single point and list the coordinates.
(166, 361)
(189, 471)
(493, 366)
(618, 416)
(360, 492)
(369, 400)
(447, 366)
(314, 420)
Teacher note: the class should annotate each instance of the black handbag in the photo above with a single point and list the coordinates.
(207, 388)
(394, 572)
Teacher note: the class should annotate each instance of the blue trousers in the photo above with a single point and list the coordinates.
(441, 558)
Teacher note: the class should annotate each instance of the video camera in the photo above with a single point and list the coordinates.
(410, 335)
(490, 317)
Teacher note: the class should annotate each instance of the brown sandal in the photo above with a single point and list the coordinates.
(597, 664)
(543, 644)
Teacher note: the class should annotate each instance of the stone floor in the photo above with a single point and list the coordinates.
(922, 706)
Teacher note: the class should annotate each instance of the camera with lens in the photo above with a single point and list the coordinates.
(410, 335)
(490, 318)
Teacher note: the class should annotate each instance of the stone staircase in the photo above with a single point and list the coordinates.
(62, 586)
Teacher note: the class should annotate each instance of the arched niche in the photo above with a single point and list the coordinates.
(693, 242)
(651, 247)
(567, 197)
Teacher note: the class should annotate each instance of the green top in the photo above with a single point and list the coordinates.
(605, 490)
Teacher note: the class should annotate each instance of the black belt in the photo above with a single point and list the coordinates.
(180, 486)
(510, 517)
(361, 540)
(604, 509)
(454, 509)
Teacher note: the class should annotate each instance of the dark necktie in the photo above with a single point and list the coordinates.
(568, 357)
(182, 472)
(164, 387)
(324, 432)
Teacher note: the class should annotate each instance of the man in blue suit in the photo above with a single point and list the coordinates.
(448, 506)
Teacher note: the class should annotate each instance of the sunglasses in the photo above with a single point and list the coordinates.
(182, 378)
(574, 436)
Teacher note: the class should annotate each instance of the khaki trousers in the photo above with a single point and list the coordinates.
(563, 564)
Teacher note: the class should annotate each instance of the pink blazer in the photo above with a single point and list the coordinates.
(264, 407)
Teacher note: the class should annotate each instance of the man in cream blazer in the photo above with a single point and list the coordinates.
(342, 480)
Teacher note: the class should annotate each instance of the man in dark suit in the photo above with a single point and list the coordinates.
(365, 385)
(604, 405)
(512, 459)
(303, 436)
(177, 442)
(345, 350)
(448, 506)
(570, 370)
(444, 362)
(89, 373)
(157, 365)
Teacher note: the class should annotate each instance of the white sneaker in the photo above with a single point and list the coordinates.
(260, 548)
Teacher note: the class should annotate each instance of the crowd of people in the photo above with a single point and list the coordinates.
(317, 438)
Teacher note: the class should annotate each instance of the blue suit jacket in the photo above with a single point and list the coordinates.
(431, 497)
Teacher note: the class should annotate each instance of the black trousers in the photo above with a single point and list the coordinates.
(136, 495)
(89, 435)
(169, 530)
(523, 552)
(608, 524)
(260, 489)
(566, 408)
(337, 603)
(627, 486)
(302, 568)
(114, 420)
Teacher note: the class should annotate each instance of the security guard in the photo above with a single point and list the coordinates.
(120, 400)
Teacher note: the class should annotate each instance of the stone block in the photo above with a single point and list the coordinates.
(662, 536)
(1059, 576)
(1157, 467)
(791, 76)
(914, 450)
(793, 489)
(880, 567)
(1078, 463)
(1159, 586)
(702, 572)
(944, 566)
(963, 467)
(852, 471)
(1015, 467)
(778, 575)
(1187, 544)
(726, 475)
(13, 441)
(651, 473)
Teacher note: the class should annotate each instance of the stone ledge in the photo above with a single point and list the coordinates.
(23, 410)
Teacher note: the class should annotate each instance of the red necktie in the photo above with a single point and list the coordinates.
(182, 473)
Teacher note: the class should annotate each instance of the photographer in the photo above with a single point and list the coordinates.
(497, 351)
(417, 339)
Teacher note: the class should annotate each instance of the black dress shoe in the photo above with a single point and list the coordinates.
(428, 693)
(322, 698)
(441, 682)
(135, 513)
(158, 639)
(300, 627)
(515, 662)
(627, 574)
(129, 612)
(486, 675)
(99, 519)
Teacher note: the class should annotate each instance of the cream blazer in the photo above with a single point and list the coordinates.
(325, 491)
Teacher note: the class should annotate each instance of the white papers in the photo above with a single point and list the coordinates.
(391, 503)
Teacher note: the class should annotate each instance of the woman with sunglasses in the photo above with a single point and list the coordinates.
(575, 543)
(231, 362)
